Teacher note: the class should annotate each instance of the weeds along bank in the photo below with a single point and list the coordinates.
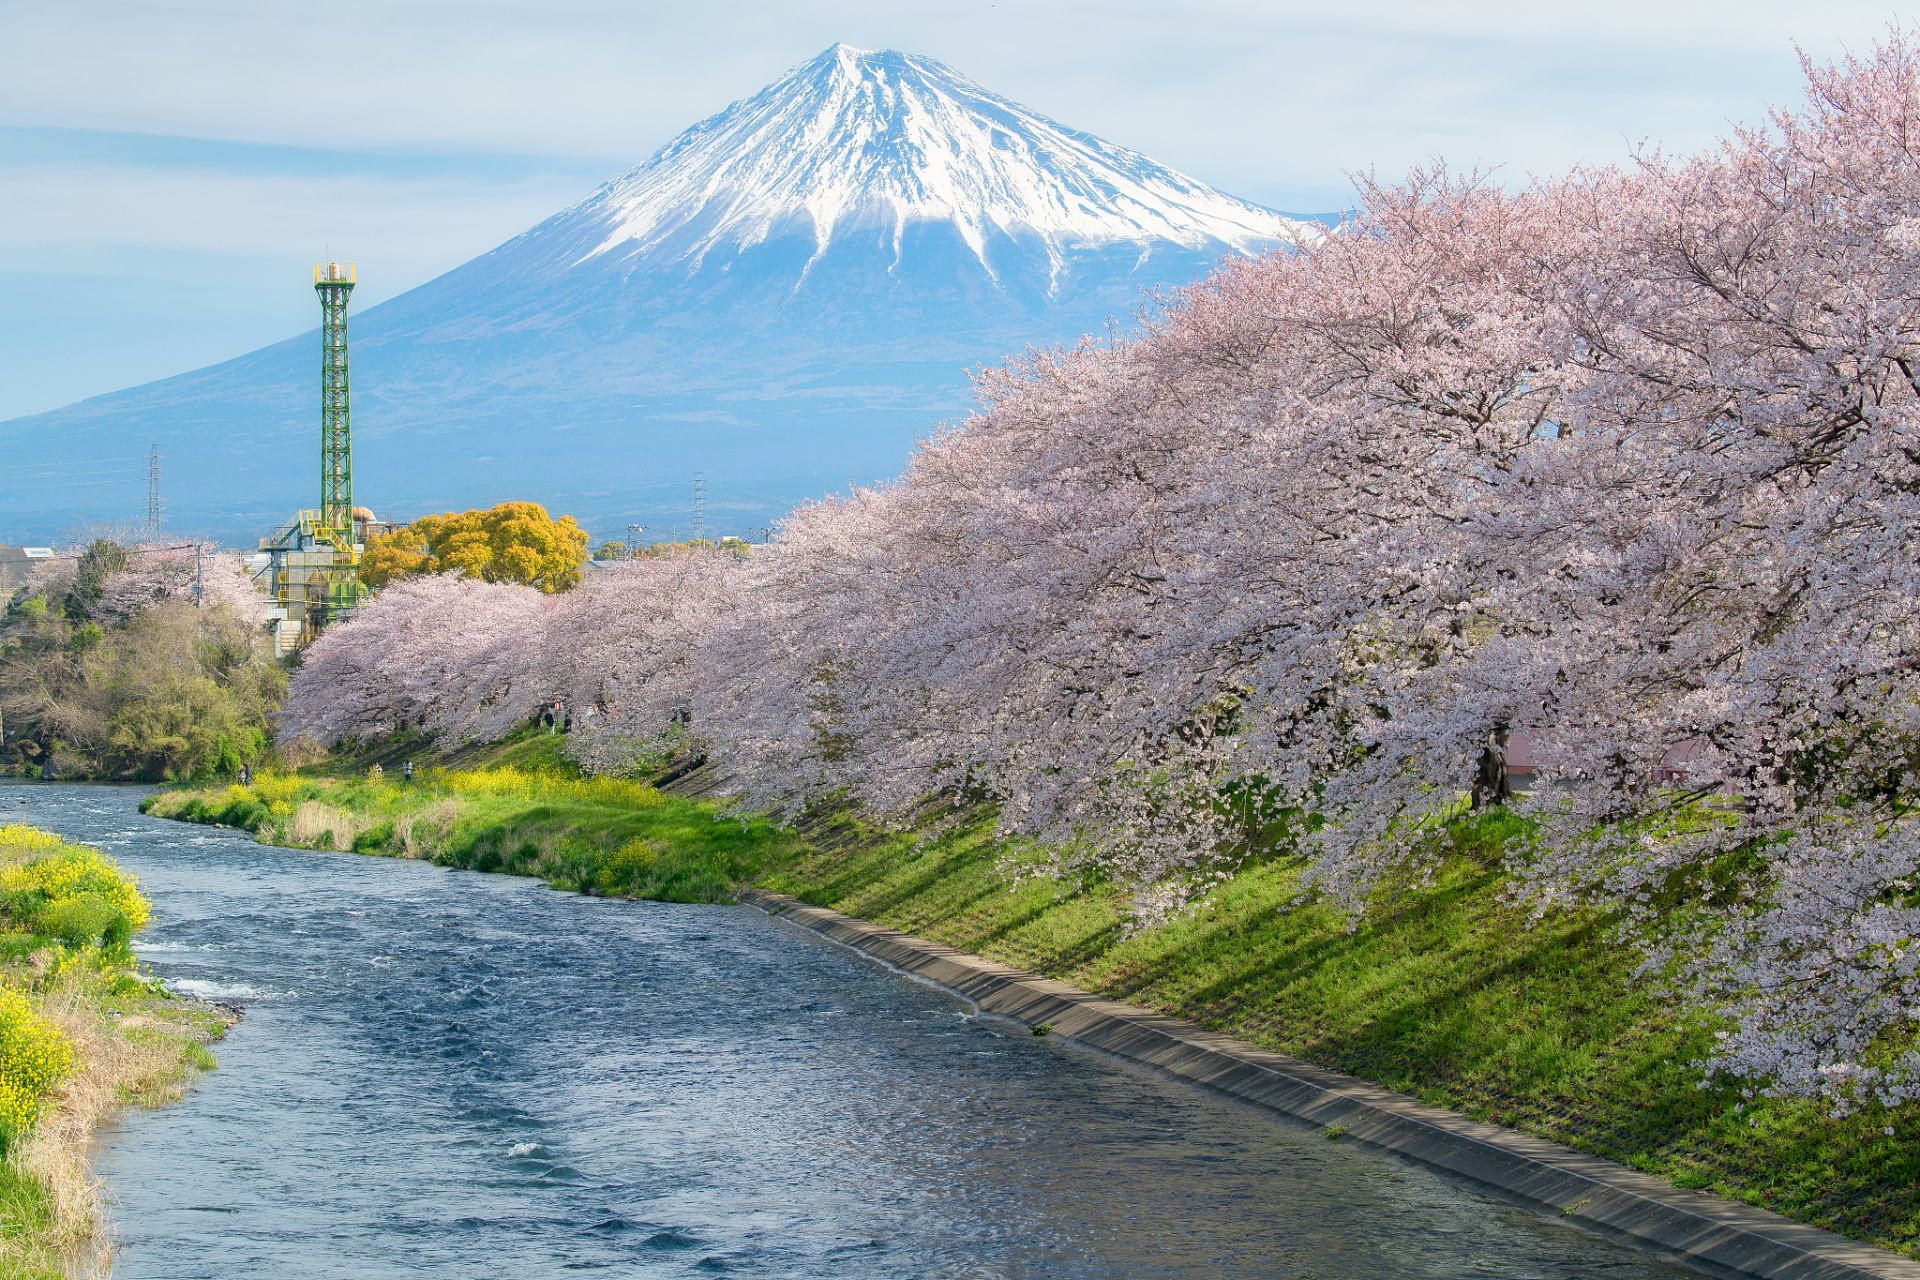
(82, 1034)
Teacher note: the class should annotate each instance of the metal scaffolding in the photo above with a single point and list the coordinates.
(312, 571)
(311, 565)
(333, 283)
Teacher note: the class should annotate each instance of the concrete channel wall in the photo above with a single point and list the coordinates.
(1701, 1232)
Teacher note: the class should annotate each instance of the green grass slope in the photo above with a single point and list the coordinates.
(1453, 996)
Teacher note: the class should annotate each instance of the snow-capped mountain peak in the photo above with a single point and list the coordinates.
(882, 140)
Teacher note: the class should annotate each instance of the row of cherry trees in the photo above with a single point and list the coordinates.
(1625, 463)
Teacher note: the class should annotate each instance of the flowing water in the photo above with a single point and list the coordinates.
(444, 1073)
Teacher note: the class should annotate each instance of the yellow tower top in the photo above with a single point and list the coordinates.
(333, 271)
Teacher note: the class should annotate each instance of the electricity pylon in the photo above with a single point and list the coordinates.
(153, 494)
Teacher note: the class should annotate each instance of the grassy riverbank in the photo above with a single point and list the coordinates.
(1448, 994)
(520, 809)
(83, 1034)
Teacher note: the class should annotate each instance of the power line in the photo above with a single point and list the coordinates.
(77, 484)
(84, 462)
(132, 551)
(607, 493)
(775, 490)
(63, 475)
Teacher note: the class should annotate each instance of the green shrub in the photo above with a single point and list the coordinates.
(80, 920)
(23, 905)
(626, 865)
(375, 839)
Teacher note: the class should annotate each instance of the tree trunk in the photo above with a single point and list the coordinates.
(1490, 782)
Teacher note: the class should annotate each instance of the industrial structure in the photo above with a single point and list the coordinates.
(154, 509)
(311, 565)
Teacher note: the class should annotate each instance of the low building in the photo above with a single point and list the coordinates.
(16, 561)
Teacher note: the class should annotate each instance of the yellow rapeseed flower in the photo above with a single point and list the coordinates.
(65, 870)
(544, 785)
(34, 1057)
(275, 790)
(19, 841)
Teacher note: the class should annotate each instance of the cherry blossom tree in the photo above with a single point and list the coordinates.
(455, 655)
(1722, 555)
(1140, 576)
(199, 573)
(624, 653)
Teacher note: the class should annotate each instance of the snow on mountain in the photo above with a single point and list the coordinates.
(786, 295)
(854, 137)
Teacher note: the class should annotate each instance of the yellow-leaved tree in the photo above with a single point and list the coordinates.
(513, 542)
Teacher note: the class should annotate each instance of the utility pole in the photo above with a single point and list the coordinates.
(766, 535)
(699, 505)
(199, 578)
(153, 493)
(633, 540)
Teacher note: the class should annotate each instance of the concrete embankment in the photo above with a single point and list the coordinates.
(1702, 1232)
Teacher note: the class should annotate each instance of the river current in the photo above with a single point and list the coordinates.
(451, 1074)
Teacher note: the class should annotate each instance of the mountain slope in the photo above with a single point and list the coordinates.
(783, 296)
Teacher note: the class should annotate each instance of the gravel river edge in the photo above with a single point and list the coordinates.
(1701, 1232)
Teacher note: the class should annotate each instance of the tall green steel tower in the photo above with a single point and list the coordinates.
(333, 283)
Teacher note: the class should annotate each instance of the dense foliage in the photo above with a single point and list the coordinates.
(1626, 465)
(135, 660)
(68, 895)
(514, 542)
(34, 1057)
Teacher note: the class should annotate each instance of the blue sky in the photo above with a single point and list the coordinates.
(171, 168)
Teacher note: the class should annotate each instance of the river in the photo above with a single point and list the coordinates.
(445, 1073)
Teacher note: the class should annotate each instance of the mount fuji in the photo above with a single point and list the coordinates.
(783, 297)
